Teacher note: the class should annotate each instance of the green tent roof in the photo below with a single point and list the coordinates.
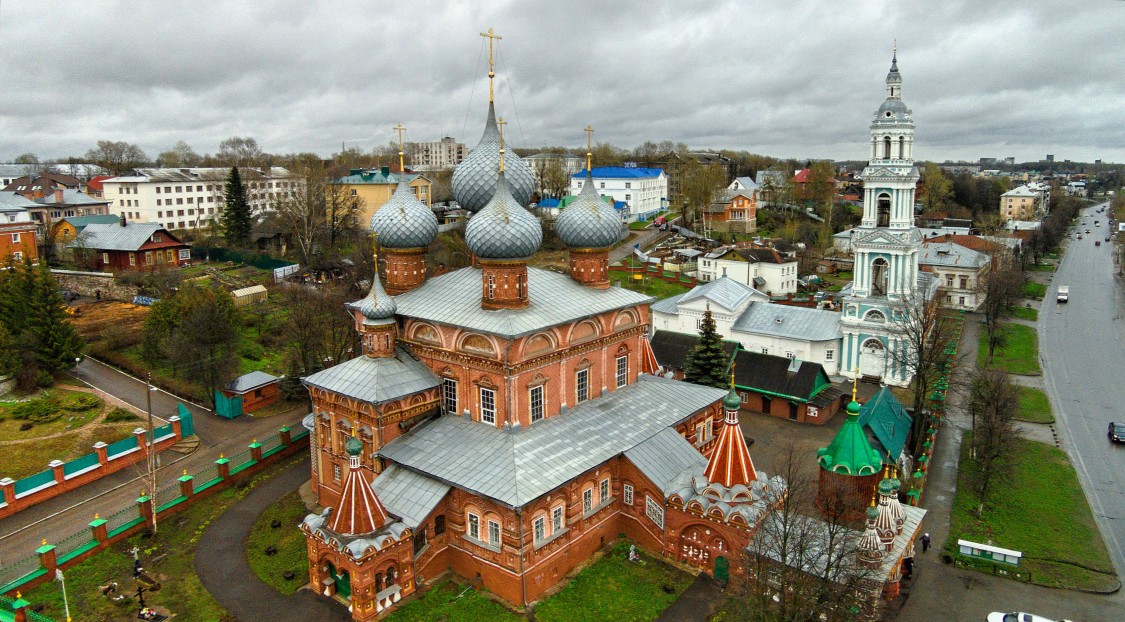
(888, 420)
(850, 453)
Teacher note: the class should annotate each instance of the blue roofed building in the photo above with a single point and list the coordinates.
(643, 191)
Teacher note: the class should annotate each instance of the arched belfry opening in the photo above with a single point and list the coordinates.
(883, 211)
(879, 270)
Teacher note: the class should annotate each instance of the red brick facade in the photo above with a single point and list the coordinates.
(18, 242)
(405, 269)
(590, 266)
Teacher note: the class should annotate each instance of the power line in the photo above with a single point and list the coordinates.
(511, 96)
(476, 72)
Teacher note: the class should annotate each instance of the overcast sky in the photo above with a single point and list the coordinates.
(788, 79)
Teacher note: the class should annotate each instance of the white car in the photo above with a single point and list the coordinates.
(1016, 616)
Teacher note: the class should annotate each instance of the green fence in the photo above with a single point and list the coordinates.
(228, 407)
(187, 423)
(7, 613)
(121, 446)
(32, 482)
(78, 464)
(162, 431)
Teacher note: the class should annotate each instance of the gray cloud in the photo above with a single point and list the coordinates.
(799, 79)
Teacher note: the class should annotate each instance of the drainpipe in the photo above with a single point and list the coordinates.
(508, 383)
(523, 577)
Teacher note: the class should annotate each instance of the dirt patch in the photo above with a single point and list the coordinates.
(96, 317)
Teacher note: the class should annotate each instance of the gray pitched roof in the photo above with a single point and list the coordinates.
(10, 199)
(250, 381)
(765, 318)
(724, 291)
(454, 299)
(376, 380)
(408, 495)
(950, 255)
(517, 466)
(114, 237)
(664, 457)
(72, 197)
(667, 305)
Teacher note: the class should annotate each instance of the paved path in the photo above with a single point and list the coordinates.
(220, 561)
(699, 602)
(61, 516)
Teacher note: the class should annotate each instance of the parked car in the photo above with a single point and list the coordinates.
(1107, 238)
(1116, 432)
(1097, 242)
(1018, 616)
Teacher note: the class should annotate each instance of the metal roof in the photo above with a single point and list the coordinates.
(620, 172)
(517, 466)
(250, 381)
(765, 318)
(950, 255)
(454, 299)
(724, 291)
(667, 305)
(408, 495)
(80, 222)
(71, 197)
(10, 199)
(376, 380)
(664, 457)
(888, 420)
(114, 237)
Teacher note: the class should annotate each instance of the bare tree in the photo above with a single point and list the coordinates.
(240, 151)
(698, 185)
(925, 331)
(993, 402)
(1001, 289)
(118, 157)
(319, 331)
(553, 178)
(802, 560)
(180, 155)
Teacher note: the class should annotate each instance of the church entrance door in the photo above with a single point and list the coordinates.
(343, 582)
(873, 359)
(722, 569)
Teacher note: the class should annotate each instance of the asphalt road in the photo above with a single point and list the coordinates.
(1082, 346)
(61, 516)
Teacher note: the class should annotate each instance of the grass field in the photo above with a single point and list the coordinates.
(292, 551)
(653, 287)
(1043, 267)
(1024, 313)
(1034, 406)
(166, 556)
(1033, 290)
(1019, 354)
(1061, 546)
(451, 600)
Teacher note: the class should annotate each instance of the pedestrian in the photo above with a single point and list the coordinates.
(908, 567)
(925, 542)
(98, 294)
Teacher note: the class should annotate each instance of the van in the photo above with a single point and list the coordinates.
(1063, 293)
(659, 221)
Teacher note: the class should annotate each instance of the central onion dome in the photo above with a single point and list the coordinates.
(377, 305)
(589, 222)
(404, 221)
(474, 180)
(503, 229)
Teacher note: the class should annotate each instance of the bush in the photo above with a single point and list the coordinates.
(39, 410)
(80, 402)
(119, 414)
(44, 379)
(252, 351)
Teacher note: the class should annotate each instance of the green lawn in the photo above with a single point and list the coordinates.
(292, 551)
(1019, 354)
(181, 590)
(654, 287)
(1061, 546)
(1024, 313)
(452, 601)
(1033, 290)
(614, 588)
(1043, 267)
(1034, 406)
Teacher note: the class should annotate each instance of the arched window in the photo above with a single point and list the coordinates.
(879, 277)
(887, 147)
(391, 576)
(875, 316)
(901, 147)
(883, 210)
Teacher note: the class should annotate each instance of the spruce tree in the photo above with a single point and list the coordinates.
(707, 363)
(236, 213)
(57, 342)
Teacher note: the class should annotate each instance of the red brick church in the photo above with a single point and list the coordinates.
(500, 422)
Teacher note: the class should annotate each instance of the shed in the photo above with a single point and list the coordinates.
(249, 295)
(256, 390)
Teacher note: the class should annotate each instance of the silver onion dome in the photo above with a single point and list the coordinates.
(503, 229)
(377, 305)
(474, 180)
(589, 222)
(404, 221)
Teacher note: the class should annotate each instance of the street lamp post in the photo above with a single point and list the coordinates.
(151, 448)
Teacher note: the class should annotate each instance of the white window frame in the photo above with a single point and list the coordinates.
(493, 533)
(622, 370)
(472, 526)
(587, 500)
(17, 255)
(627, 493)
(487, 406)
(449, 395)
(603, 491)
(535, 397)
(539, 528)
(15, 238)
(558, 519)
(105, 258)
(337, 472)
(654, 512)
(581, 385)
(829, 354)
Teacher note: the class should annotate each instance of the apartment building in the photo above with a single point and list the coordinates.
(643, 190)
(188, 198)
(437, 154)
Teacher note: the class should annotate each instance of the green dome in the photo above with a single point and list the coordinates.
(732, 401)
(888, 486)
(853, 408)
(353, 446)
(850, 453)
(872, 512)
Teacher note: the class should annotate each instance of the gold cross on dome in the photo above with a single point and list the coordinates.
(492, 38)
(400, 129)
(589, 155)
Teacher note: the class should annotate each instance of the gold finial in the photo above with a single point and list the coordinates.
(44, 542)
(855, 382)
(375, 250)
(400, 130)
(492, 38)
(353, 431)
(221, 456)
(500, 123)
(589, 153)
(253, 441)
(185, 471)
(732, 375)
(95, 516)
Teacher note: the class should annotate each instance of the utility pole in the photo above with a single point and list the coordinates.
(151, 449)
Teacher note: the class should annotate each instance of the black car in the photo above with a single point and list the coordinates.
(1116, 432)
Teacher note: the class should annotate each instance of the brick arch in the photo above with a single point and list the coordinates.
(476, 343)
(425, 332)
(540, 343)
(584, 331)
(625, 319)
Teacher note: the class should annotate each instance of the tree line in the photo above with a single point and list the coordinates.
(36, 340)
